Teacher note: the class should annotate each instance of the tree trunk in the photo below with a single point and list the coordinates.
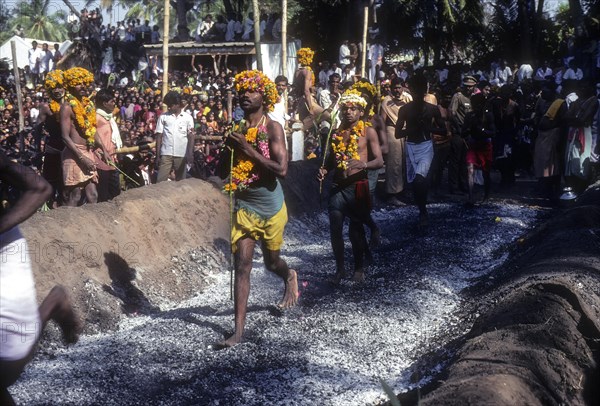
(182, 27)
(537, 29)
(524, 24)
(577, 16)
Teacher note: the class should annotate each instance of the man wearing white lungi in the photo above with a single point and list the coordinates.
(416, 121)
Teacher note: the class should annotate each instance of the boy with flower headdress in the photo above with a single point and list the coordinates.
(257, 147)
(78, 129)
(303, 86)
(354, 149)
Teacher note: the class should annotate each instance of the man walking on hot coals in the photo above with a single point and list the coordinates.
(354, 150)
(259, 160)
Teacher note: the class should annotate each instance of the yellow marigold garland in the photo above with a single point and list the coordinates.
(54, 79)
(344, 151)
(243, 173)
(365, 87)
(77, 76)
(305, 56)
(85, 116)
(255, 80)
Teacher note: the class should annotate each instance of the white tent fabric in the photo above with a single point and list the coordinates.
(23, 45)
(271, 57)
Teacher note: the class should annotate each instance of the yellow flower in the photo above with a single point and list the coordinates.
(85, 116)
(251, 134)
(77, 76)
(54, 79)
(305, 56)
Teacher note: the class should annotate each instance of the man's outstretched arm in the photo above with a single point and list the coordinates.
(35, 190)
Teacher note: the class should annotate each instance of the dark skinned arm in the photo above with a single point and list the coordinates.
(35, 191)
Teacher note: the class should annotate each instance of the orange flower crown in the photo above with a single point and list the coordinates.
(77, 76)
(255, 80)
(54, 79)
(305, 56)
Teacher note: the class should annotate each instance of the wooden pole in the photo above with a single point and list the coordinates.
(284, 55)
(13, 48)
(256, 12)
(284, 37)
(229, 106)
(165, 85)
(363, 59)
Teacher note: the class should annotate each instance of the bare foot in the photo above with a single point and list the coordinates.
(64, 314)
(230, 342)
(290, 294)
(337, 278)
(359, 277)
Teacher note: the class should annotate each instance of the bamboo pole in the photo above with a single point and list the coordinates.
(363, 59)
(165, 85)
(284, 37)
(284, 54)
(256, 12)
(13, 49)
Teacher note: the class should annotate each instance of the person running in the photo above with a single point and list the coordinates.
(260, 159)
(21, 320)
(416, 122)
(354, 150)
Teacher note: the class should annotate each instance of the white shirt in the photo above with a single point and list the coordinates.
(541, 73)
(248, 28)
(230, 32)
(34, 113)
(503, 74)
(344, 54)
(276, 31)
(571, 74)
(34, 55)
(525, 72)
(174, 130)
(279, 114)
(46, 57)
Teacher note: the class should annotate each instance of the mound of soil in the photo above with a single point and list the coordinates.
(130, 255)
(538, 339)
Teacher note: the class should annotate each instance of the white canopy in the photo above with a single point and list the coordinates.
(23, 45)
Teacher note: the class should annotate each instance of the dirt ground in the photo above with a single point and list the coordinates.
(536, 340)
(128, 255)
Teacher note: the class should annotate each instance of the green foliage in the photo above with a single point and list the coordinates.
(37, 21)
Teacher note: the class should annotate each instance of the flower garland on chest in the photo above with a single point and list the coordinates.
(85, 116)
(244, 171)
(346, 150)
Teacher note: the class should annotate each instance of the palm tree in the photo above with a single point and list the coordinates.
(37, 23)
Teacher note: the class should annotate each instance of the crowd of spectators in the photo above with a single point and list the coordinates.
(205, 91)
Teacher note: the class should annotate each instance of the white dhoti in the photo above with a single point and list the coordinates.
(418, 159)
(20, 324)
